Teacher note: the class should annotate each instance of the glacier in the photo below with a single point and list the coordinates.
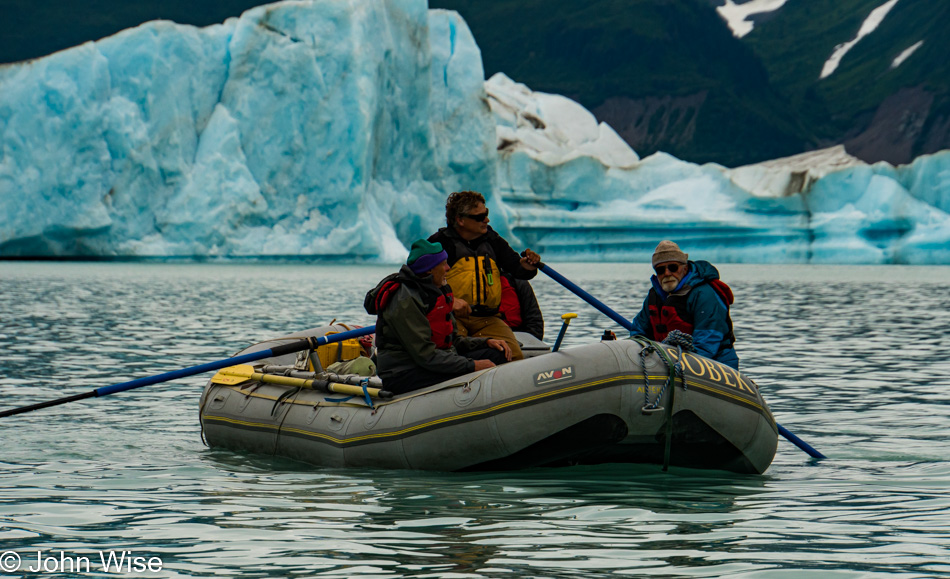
(334, 129)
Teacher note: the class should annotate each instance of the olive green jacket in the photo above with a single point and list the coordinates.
(403, 335)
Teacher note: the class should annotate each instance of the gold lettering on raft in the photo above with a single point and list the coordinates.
(689, 367)
(744, 386)
(726, 373)
(713, 372)
(699, 367)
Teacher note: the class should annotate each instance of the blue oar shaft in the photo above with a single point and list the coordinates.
(799, 442)
(201, 368)
(629, 326)
(586, 296)
(560, 337)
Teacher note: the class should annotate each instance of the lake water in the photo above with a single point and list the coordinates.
(855, 360)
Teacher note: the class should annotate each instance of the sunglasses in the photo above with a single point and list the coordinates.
(481, 217)
(673, 268)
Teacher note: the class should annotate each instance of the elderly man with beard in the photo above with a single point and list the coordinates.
(688, 296)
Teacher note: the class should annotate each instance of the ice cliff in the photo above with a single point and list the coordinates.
(335, 129)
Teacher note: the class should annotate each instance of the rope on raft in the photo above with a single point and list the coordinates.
(683, 342)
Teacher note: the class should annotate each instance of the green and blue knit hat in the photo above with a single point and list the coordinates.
(424, 255)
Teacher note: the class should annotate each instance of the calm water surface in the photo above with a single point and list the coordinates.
(855, 360)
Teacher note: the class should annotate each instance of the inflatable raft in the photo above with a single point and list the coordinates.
(617, 401)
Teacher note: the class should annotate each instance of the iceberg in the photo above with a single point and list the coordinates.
(322, 129)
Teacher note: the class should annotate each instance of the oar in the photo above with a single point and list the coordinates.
(629, 326)
(244, 372)
(304, 344)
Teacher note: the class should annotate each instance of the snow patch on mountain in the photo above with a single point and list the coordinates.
(900, 58)
(869, 25)
(736, 15)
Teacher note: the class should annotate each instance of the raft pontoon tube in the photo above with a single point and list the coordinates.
(581, 405)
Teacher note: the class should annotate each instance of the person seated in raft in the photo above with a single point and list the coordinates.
(477, 258)
(416, 340)
(519, 307)
(688, 296)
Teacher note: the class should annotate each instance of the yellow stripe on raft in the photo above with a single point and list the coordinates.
(489, 410)
(457, 417)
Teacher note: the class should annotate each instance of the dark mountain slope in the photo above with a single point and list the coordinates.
(666, 75)
(34, 29)
(878, 111)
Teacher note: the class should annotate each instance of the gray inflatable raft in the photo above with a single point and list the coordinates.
(581, 405)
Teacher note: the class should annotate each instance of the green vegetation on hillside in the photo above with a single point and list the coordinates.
(640, 49)
(795, 46)
(35, 29)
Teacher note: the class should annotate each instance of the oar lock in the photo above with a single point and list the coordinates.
(566, 318)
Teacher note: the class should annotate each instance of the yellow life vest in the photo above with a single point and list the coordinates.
(477, 280)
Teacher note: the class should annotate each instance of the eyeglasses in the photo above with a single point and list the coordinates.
(481, 217)
(661, 269)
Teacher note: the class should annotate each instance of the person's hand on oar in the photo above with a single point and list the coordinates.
(530, 260)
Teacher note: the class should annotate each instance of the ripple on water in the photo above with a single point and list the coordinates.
(859, 379)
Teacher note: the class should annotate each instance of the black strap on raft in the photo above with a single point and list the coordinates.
(281, 398)
(675, 369)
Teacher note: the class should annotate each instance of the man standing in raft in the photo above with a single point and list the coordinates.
(476, 257)
(688, 296)
(416, 341)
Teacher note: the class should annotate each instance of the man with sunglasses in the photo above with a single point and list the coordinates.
(477, 256)
(688, 296)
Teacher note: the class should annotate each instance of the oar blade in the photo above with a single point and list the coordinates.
(233, 375)
(227, 379)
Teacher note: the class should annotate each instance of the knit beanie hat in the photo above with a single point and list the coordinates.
(668, 251)
(424, 255)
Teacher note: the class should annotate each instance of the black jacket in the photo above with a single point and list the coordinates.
(507, 259)
(532, 321)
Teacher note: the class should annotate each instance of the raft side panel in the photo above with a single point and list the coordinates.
(450, 436)
(580, 405)
(243, 422)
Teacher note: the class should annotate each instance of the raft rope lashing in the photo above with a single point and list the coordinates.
(678, 338)
(673, 370)
(682, 342)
